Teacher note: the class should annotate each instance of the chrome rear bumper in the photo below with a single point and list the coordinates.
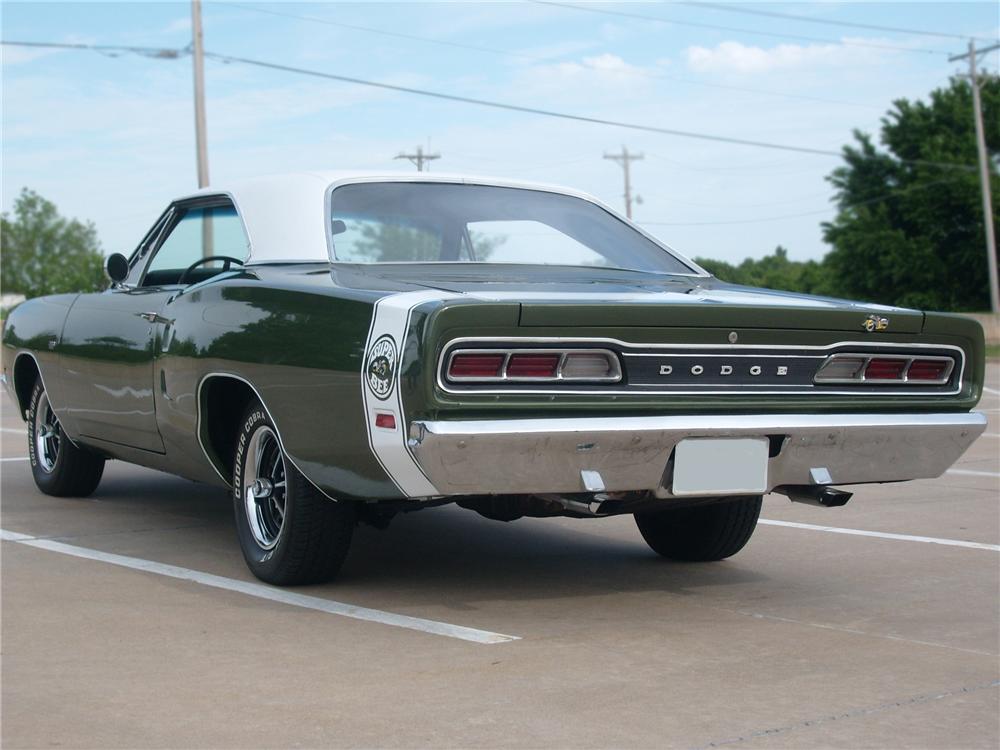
(567, 455)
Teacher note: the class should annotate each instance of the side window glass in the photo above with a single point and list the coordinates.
(200, 233)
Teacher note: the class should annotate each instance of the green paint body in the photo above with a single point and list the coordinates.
(130, 388)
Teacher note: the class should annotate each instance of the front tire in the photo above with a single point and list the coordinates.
(701, 533)
(59, 467)
(289, 532)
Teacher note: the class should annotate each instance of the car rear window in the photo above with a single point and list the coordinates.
(414, 222)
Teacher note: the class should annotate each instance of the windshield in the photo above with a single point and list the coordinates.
(411, 222)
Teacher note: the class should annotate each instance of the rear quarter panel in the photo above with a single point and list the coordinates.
(301, 347)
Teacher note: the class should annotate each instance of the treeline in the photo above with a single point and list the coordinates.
(908, 231)
(909, 228)
(774, 271)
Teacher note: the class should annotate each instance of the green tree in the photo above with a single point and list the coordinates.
(45, 253)
(775, 271)
(908, 232)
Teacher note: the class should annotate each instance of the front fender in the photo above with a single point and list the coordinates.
(34, 329)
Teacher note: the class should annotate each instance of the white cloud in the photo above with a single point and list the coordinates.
(18, 55)
(608, 63)
(735, 57)
(178, 24)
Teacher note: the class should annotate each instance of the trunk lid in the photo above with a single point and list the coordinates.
(577, 297)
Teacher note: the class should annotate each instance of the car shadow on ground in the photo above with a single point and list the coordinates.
(453, 553)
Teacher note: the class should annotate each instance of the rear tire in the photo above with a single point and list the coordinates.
(289, 532)
(59, 467)
(703, 532)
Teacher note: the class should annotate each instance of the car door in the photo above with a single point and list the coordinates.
(109, 341)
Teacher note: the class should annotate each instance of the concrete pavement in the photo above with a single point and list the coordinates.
(807, 638)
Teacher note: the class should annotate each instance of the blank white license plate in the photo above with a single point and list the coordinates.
(720, 466)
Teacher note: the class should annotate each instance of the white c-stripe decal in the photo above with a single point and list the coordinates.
(383, 355)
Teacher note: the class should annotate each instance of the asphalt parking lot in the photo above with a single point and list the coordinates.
(570, 633)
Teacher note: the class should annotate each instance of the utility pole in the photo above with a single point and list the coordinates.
(418, 158)
(984, 171)
(198, 56)
(625, 159)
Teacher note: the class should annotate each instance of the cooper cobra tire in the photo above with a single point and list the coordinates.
(59, 467)
(289, 532)
(702, 532)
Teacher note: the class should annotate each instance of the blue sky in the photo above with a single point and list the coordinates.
(111, 139)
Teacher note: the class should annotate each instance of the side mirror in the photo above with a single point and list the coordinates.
(116, 266)
(337, 227)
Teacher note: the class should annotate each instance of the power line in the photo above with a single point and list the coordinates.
(540, 59)
(765, 219)
(823, 21)
(561, 115)
(775, 34)
(385, 32)
(529, 110)
(113, 50)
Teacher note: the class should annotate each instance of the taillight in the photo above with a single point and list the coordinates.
(474, 366)
(936, 370)
(884, 369)
(533, 365)
(881, 368)
(841, 368)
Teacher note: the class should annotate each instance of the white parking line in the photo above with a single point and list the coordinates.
(883, 535)
(262, 591)
(972, 473)
(22, 431)
(994, 391)
(16, 458)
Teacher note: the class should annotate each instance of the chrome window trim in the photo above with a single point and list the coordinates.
(705, 390)
(867, 357)
(612, 358)
(175, 212)
(696, 271)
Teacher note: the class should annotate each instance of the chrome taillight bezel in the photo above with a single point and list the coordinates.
(867, 357)
(614, 366)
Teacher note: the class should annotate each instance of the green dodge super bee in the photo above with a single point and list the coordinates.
(338, 348)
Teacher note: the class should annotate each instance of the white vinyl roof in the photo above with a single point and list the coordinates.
(285, 215)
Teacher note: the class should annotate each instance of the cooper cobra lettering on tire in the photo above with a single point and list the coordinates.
(289, 532)
(59, 467)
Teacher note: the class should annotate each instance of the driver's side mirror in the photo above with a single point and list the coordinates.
(116, 266)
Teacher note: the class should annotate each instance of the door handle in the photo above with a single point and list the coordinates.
(154, 317)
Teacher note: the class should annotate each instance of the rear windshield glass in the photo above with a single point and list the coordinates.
(404, 222)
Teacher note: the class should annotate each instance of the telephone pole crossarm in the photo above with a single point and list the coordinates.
(419, 158)
(625, 159)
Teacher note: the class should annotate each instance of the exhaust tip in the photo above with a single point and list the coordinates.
(826, 497)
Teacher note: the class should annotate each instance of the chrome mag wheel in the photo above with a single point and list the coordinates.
(48, 434)
(264, 487)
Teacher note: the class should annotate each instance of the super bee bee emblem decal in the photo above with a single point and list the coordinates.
(875, 323)
(380, 367)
